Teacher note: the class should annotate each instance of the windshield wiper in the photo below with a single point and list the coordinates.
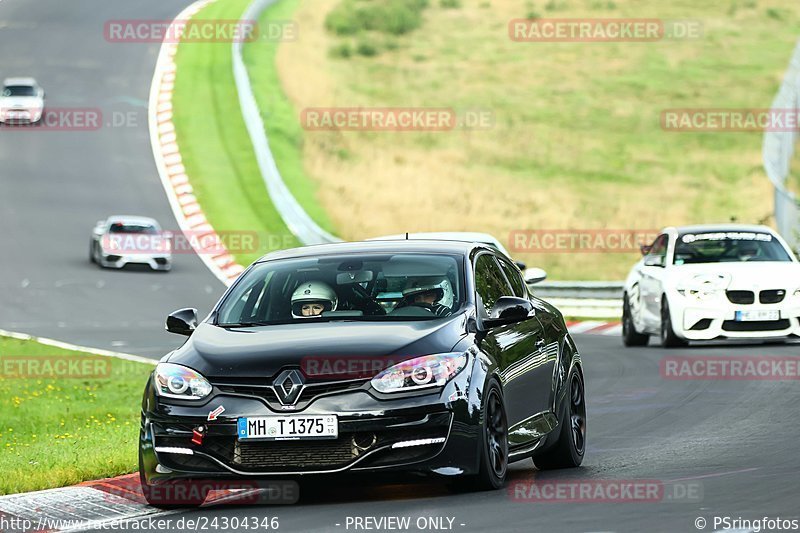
(243, 325)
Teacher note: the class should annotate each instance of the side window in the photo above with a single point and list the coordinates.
(515, 278)
(658, 252)
(490, 284)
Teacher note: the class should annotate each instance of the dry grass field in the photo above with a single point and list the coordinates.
(576, 140)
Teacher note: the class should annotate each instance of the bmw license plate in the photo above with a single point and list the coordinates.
(751, 316)
(289, 427)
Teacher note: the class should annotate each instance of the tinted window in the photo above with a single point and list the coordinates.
(399, 286)
(515, 278)
(727, 247)
(490, 284)
(19, 90)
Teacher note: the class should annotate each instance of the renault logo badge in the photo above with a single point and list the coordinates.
(288, 386)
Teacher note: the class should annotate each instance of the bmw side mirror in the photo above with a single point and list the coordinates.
(645, 248)
(535, 275)
(520, 265)
(182, 321)
(507, 310)
(653, 261)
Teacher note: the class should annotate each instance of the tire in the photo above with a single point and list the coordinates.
(631, 337)
(176, 494)
(92, 252)
(668, 337)
(570, 448)
(493, 445)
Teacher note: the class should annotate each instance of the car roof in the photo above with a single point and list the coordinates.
(20, 81)
(131, 219)
(375, 246)
(463, 236)
(710, 228)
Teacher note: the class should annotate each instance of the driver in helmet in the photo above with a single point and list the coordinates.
(747, 251)
(433, 293)
(312, 298)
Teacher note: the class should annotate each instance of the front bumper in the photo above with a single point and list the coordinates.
(427, 433)
(156, 262)
(20, 116)
(717, 319)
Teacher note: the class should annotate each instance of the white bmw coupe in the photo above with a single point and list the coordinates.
(712, 282)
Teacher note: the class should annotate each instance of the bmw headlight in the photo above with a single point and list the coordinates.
(704, 286)
(420, 373)
(176, 381)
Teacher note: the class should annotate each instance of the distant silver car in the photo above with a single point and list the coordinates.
(21, 101)
(122, 240)
(532, 275)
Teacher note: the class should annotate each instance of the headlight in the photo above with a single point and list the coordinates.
(420, 373)
(176, 381)
(704, 286)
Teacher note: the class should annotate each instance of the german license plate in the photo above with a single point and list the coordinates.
(289, 427)
(751, 316)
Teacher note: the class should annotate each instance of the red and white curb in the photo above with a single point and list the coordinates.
(166, 151)
(595, 327)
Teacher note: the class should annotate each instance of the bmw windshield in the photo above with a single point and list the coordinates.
(728, 247)
(384, 287)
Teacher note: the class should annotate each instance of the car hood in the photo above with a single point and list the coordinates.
(755, 275)
(25, 102)
(264, 351)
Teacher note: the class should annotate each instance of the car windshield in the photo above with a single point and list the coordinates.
(19, 90)
(128, 227)
(386, 287)
(728, 247)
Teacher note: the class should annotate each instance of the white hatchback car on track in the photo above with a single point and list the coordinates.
(712, 282)
(21, 101)
(122, 240)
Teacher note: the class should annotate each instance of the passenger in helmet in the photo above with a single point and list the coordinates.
(432, 292)
(312, 298)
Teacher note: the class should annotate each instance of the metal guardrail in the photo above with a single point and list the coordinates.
(778, 150)
(294, 216)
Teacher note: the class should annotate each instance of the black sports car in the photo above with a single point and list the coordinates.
(419, 356)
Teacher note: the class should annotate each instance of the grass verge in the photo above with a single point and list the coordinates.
(68, 425)
(216, 148)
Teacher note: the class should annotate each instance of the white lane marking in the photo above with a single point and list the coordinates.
(75, 347)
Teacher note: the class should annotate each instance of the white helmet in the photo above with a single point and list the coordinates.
(310, 292)
(440, 284)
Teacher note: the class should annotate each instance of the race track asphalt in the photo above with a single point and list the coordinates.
(54, 185)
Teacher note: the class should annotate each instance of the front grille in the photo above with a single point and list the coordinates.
(310, 392)
(741, 297)
(324, 454)
(113, 258)
(772, 296)
(761, 325)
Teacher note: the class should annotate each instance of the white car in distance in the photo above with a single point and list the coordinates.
(21, 101)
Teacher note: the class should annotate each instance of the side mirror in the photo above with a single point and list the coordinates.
(535, 275)
(653, 261)
(645, 248)
(507, 310)
(182, 321)
(520, 265)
